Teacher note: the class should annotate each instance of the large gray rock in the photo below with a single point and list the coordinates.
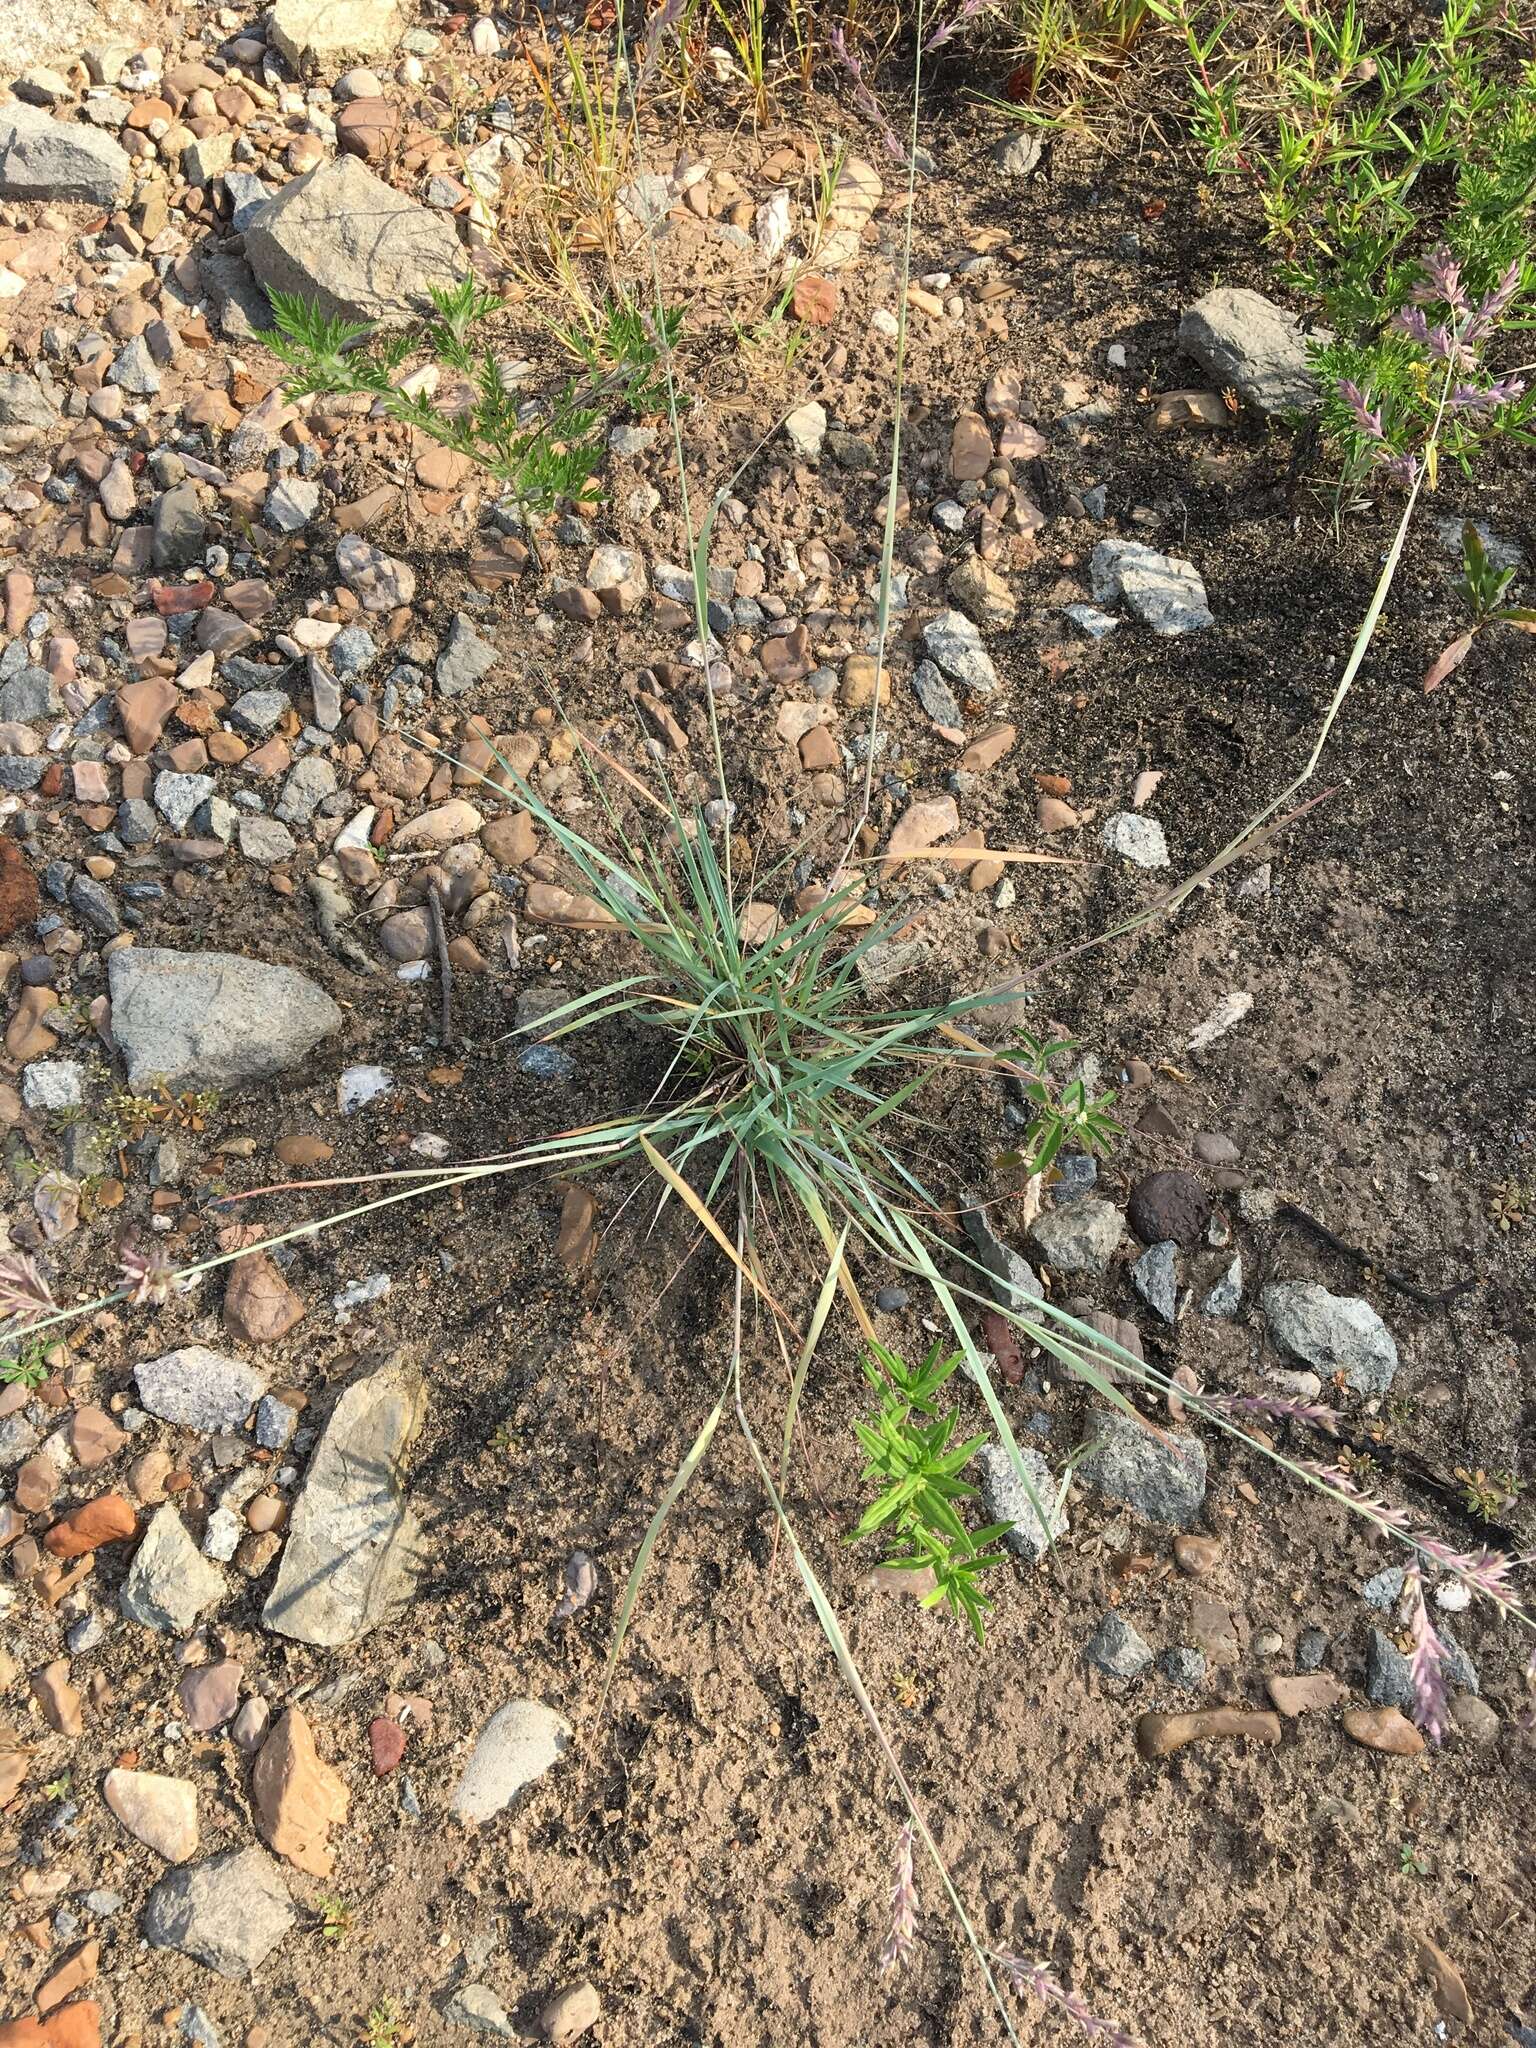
(170, 1583)
(1006, 1499)
(1245, 340)
(41, 158)
(1333, 1333)
(212, 1020)
(199, 1388)
(27, 413)
(353, 1541)
(352, 244)
(1080, 1238)
(518, 1744)
(1389, 1675)
(229, 1912)
(1161, 1477)
(1165, 592)
(331, 36)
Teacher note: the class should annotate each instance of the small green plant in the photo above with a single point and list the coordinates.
(58, 1789)
(382, 2028)
(1060, 1113)
(1408, 1863)
(335, 1918)
(911, 1453)
(1482, 589)
(622, 348)
(1512, 1203)
(1487, 1495)
(539, 461)
(29, 1368)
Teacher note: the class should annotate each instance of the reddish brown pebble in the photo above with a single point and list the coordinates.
(386, 1744)
(1196, 1556)
(19, 899)
(1383, 1728)
(259, 1305)
(72, 2026)
(109, 1519)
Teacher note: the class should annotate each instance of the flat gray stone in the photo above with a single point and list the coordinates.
(199, 1388)
(180, 530)
(212, 1020)
(30, 693)
(352, 245)
(44, 158)
(1136, 838)
(1162, 1478)
(291, 504)
(954, 642)
(332, 36)
(170, 1584)
(1014, 1283)
(311, 781)
(517, 1745)
(477, 2009)
(935, 695)
(1016, 155)
(27, 413)
(229, 1912)
(1163, 591)
(1155, 1277)
(1080, 1238)
(177, 796)
(353, 1539)
(464, 660)
(1116, 1649)
(1247, 341)
(1006, 1499)
(1226, 1297)
(265, 839)
(1332, 1333)
(1182, 1666)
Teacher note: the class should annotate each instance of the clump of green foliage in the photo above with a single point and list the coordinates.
(911, 1454)
(624, 351)
(29, 1367)
(541, 455)
(1362, 152)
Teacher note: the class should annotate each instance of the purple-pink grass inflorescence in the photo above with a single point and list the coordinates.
(1035, 1978)
(148, 1276)
(1457, 340)
(863, 98)
(25, 1296)
(902, 1939)
(1426, 1665)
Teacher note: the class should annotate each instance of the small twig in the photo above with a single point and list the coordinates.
(1398, 1281)
(444, 964)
